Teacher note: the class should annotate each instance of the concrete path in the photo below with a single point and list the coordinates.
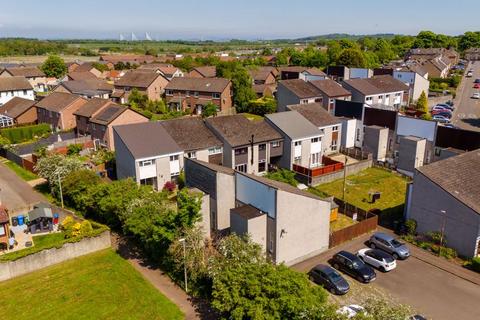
(192, 308)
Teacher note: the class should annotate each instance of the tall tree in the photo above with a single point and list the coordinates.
(352, 58)
(54, 67)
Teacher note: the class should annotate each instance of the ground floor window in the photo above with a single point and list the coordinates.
(262, 166)
(315, 159)
(241, 167)
(149, 182)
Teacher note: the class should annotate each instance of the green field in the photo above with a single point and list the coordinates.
(392, 188)
(97, 286)
(21, 172)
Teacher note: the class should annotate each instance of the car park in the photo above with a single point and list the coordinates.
(351, 310)
(445, 114)
(378, 259)
(448, 105)
(440, 119)
(350, 264)
(329, 278)
(476, 95)
(389, 244)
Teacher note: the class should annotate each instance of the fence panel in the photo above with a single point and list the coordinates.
(351, 232)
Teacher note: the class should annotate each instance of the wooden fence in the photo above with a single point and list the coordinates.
(353, 231)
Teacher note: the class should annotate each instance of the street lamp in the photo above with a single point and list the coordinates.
(60, 186)
(442, 232)
(182, 240)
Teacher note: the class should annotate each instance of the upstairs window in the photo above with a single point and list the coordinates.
(216, 95)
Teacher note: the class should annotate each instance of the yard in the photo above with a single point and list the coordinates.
(98, 286)
(391, 186)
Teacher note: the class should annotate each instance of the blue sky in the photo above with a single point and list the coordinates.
(246, 19)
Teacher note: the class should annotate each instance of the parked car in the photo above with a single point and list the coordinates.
(448, 105)
(417, 317)
(443, 113)
(329, 278)
(351, 310)
(476, 95)
(441, 108)
(378, 259)
(440, 119)
(389, 244)
(469, 74)
(353, 266)
(476, 86)
(449, 125)
(476, 81)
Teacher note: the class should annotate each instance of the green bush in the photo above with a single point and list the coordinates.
(475, 264)
(411, 226)
(447, 253)
(74, 149)
(22, 134)
(436, 236)
(283, 175)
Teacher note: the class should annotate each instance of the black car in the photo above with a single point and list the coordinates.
(353, 266)
(329, 278)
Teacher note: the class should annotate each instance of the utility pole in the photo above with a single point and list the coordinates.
(344, 185)
(182, 240)
(60, 186)
(442, 232)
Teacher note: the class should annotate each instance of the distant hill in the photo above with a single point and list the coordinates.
(337, 36)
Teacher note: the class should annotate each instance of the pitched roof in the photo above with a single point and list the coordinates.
(147, 139)
(238, 130)
(16, 107)
(207, 71)
(138, 79)
(293, 124)
(191, 133)
(57, 101)
(459, 176)
(85, 67)
(14, 83)
(330, 88)
(198, 84)
(260, 74)
(300, 88)
(281, 186)
(213, 166)
(315, 72)
(88, 87)
(92, 106)
(108, 114)
(84, 75)
(377, 85)
(316, 114)
(293, 69)
(3, 215)
(28, 72)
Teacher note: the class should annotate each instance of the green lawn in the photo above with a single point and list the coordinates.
(358, 186)
(101, 285)
(21, 172)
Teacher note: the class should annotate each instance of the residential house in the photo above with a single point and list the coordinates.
(360, 73)
(18, 111)
(248, 146)
(89, 67)
(378, 90)
(11, 87)
(351, 116)
(196, 140)
(303, 73)
(329, 125)
(264, 81)
(289, 224)
(75, 75)
(34, 75)
(331, 91)
(151, 84)
(91, 88)
(436, 61)
(71, 66)
(338, 73)
(413, 75)
(296, 91)
(194, 93)
(141, 154)
(102, 123)
(167, 70)
(203, 72)
(57, 109)
(445, 197)
(132, 59)
(472, 54)
(86, 112)
(312, 74)
(302, 141)
(453, 141)
(4, 226)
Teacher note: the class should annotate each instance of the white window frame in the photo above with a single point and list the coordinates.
(192, 155)
(174, 157)
(241, 166)
(146, 163)
(275, 144)
(216, 95)
(214, 150)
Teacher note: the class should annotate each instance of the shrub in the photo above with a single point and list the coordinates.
(475, 264)
(74, 149)
(283, 175)
(22, 134)
(411, 226)
(170, 186)
(447, 253)
(436, 237)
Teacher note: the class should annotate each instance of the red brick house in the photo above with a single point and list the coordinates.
(150, 83)
(4, 227)
(194, 93)
(86, 112)
(57, 110)
(203, 72)
(20, 110)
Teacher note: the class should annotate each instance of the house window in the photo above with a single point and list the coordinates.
(387, 96)
(369, 99)
(298, 143)
(398, 94)
(174, 158)
(380, 97)
(297, 159)
(334, 145)
(2, 230)
(315, 159)
(192, 155)
(216, 95)
(275, 144)
(241, 167)
(262, 147)
(314, 140)
(169, 92)
(145, 163)
(438, 152)
(50, 114)
(25, 92)
(334, 128)
(240, 151)
(214, 150)
(304, 101)
(195, 94)
(262, 166)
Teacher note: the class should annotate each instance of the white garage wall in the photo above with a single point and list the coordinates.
(257, 194)
(407, 126)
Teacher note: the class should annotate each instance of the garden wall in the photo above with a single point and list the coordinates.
(350, 169)
(45, 258)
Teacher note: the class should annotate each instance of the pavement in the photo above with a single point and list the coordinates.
(467, 113)
(16, 194)
(431, 285)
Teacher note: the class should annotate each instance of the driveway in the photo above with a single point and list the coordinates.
(417, 281)
(467, 113)
(16, 194)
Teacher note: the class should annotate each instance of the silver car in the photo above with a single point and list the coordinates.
(389, 244)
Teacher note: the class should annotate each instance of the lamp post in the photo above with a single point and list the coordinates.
(60, 186)
(344, 185)
(182, 240)
(442, 232)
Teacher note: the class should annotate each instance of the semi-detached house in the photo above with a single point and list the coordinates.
(58, 108)
(11, 87)
(34, 75)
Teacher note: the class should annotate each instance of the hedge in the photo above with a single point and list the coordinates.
(475, 264)
(22, 134)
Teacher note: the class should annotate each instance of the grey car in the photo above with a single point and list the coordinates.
(389, 244)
